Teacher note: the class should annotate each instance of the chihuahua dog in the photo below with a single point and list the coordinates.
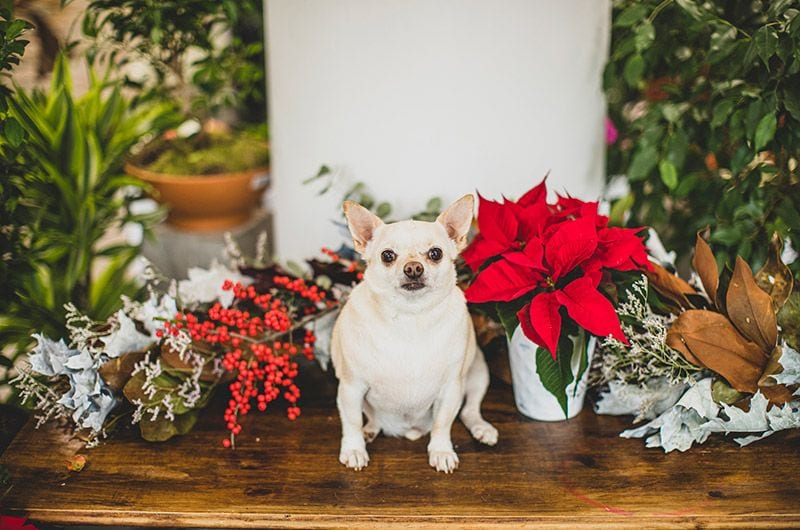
(404, 347)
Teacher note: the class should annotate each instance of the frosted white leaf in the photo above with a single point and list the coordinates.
(653, 441)
(323, 329)
(153, 312)
(754, 420)
(681, 428)
(80, 362)
(698, 398)
(205, 285)
(125, 338)
(785, 417)
(49, 356)
(790, 360)
(656, 249)
(644, 401)
(747, 440)
(101, 405)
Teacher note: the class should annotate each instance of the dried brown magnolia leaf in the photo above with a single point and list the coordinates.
(772, 367)
(706, 267)
(712, 341)
(173, 360)
(750, 309)
(775, 278)
(670, 286)
(777, 394)
(116, 372)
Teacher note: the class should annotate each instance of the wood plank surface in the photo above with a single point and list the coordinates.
(575, 474)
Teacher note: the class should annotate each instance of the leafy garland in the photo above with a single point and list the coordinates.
(161, 360)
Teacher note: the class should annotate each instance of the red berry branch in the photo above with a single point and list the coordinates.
(259, 337)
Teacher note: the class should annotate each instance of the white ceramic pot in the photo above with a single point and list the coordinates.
(532, 398)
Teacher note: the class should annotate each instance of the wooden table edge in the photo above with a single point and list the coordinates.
(331, 520)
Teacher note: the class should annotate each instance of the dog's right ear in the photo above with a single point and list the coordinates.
(362, 224)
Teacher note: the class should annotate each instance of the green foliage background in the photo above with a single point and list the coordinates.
(706, 97)
(62, 189)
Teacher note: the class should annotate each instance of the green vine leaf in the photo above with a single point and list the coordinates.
(765, 131)
(669, 174)
(634, 67)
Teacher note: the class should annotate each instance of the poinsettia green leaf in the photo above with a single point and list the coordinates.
(579, 350)
(507, 313)
(550, 373)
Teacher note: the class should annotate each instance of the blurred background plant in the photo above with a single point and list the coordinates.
(706, 100)
(206, 55)
(63, 190)
(14, 263)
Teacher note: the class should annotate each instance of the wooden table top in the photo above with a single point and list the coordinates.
(574, 474)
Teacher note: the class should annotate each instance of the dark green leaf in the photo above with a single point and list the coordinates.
(630, 15)
(643, 163)
(765, 41)
(765, 131)
(555, 374)
(14, 132)
(634, 67)
(721, 112)
(507, 313)
(163, 429)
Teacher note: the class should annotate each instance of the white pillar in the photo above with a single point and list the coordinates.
(430, 97)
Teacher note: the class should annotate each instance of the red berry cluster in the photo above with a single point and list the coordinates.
(263, 372)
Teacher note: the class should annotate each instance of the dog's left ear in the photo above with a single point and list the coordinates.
(457, 219)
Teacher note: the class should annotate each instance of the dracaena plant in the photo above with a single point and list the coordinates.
(547, 268)
(69, 192)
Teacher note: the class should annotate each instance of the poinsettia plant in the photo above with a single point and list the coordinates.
(547, 267)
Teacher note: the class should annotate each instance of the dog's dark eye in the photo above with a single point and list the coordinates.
(388, 256)
(435, 253)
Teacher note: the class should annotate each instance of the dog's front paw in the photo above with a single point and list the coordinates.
(446, 461)
(484, 432)
(354, 458)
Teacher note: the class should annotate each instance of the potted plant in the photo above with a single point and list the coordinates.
(547, 270)
(63, 188)
(210, 174)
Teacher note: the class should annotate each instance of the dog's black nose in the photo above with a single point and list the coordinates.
(413, 269)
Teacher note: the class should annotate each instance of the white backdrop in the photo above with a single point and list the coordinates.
(430, 97)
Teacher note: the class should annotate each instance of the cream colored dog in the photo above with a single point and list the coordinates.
(404, 346)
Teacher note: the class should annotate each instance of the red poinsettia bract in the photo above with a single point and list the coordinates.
(557, 254)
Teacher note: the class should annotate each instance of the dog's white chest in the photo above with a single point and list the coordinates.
(405, 358)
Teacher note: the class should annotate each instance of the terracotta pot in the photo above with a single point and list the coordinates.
(206, 202)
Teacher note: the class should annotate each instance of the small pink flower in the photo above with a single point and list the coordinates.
(611, 132)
